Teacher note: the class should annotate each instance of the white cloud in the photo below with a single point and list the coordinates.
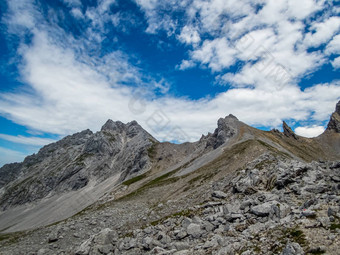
(21, 13)
(303, 8)
(73, 3)
(336, 63)
(217, 54)
(9, 156)
(77, 13)
(71, 90)
(334, 46)
(189, 35)
(309, 132)
(186, 64)
(324, 31)
(36, 141)
(70, 96)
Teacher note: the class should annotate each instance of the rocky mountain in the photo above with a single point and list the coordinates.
(334, 123)
(238, 190)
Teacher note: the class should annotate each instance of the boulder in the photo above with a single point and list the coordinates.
(292, 249)
(219, 194)
(194, 230)
(264, 209)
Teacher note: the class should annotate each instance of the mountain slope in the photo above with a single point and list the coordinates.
(123, 164)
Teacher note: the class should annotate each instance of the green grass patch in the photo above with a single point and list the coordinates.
(152, 149)
(134, 179)
(335, 226)
(80, 159)
(261, 165)
(197, 178)
(111, 137)
(11, 238)
(297, 236)
(317, 251)
(184, 213)
(161, 180)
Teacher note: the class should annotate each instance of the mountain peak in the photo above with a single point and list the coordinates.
(334, 122)
(118, 125)
(112, 125)
(287, 131)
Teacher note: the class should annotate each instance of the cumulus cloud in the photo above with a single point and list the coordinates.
(336, 63)
(70, 88)
(7, 156)
(322, 31)
(217, 54)
(263, 35)
(310, 132)
(334, 46)
(189, 35)
(72, 3)
(35, 141)
(186, 64)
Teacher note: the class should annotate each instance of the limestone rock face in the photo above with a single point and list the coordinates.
(227, 128)
(287, 131)
(238, 190)
(334, 122)
(76, 160)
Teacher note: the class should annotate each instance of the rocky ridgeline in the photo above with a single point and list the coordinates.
(227, 128)
(274, 206)
(334, 122)
(73, 162)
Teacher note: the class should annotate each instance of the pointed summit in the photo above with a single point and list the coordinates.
(287, 131)
(334, 122)
(113, 125)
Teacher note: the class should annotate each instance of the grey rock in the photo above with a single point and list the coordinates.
(308, 213)
(53, 237)
(264, 209)
(287, 131)
(182, 234)
(106, 236)
(44, 251)
(333, 211)
(181, 246)
(186, 222)
(194, 230)
(226, 129)
(334, 122)
(292, 249)
(84, 248)
(219, 194)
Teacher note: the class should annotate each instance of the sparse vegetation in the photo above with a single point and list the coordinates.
(317, 251)
(297, 236)
(112, 138)
(184, 213)
(134, 179)
(12, 238)
(80, 159)
(261, 165)
(152, 150)
(335, 226)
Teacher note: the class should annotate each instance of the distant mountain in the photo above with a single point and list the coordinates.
(126, 174)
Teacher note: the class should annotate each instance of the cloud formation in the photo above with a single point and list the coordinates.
(36, 141)
(312, 131)
(259, 50)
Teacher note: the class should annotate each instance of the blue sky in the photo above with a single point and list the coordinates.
(174, 66)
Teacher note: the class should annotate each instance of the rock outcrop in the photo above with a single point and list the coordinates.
(334, 122)
(227, 128)
(287, 131)
(71, 163)
(294, 209)
(238, 190)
